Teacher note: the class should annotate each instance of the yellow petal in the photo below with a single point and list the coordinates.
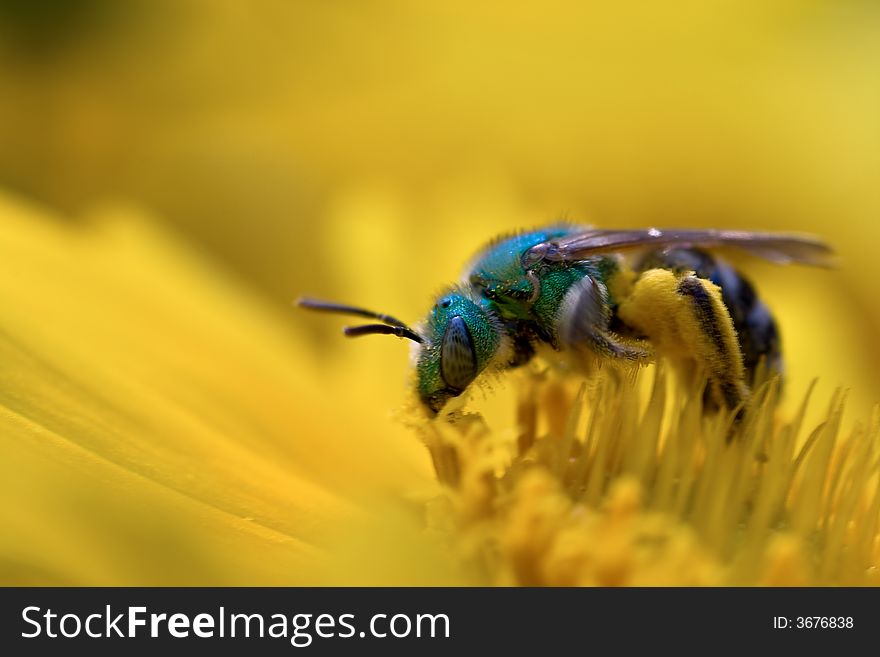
(156, 423)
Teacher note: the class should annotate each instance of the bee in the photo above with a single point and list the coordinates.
(618, 296)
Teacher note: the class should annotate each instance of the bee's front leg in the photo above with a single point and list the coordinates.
(684, 317)
(584, 321)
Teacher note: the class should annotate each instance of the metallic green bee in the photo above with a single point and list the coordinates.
(623, 296)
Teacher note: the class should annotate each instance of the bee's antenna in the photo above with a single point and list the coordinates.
(382, 329)
(331, 307)
(390, 325)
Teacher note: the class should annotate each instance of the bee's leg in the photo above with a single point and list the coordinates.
(522, 350)
(756, 330)
(584, 319)
(684, 317)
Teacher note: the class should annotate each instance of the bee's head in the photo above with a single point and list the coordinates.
(461, 337)
(456, 342)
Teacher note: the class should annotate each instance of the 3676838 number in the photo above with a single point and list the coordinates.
(824, 622)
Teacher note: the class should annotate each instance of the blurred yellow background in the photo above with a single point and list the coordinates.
(361, 151)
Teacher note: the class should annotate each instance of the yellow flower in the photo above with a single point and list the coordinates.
(167, 418)
(650, 491)
(155, 425)
(159, 425)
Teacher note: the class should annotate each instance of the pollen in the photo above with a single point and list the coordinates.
(631, 482)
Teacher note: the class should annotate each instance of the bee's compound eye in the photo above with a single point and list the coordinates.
(458, 358)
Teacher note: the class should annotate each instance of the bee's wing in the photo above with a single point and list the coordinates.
(780, 248)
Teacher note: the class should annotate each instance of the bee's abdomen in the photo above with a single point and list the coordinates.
(755, 327)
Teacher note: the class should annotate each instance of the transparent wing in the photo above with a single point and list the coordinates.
(780, 248)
